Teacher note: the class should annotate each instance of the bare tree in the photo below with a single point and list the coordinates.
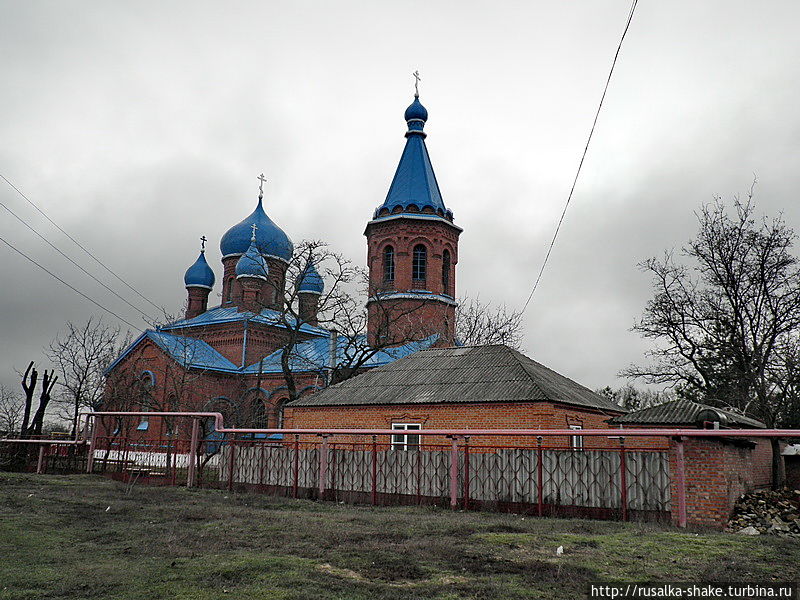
(633, 398)
(28, 382)
(726, 323)
(479, 323)
(11, 410)
(81, 354)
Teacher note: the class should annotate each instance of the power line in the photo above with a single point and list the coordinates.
(49, 243)
(79, 245)
(111, 312)
(583, 156)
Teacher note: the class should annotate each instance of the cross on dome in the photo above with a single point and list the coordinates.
(417, 79)
(254, 227)
(203, 241)
(262, 179)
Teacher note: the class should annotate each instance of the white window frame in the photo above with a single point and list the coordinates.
(401, 441)
(576, 441)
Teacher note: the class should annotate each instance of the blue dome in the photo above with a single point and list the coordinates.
(310, 281)
(416, 111)
(271, 239)
(252, 263)
(199, 274)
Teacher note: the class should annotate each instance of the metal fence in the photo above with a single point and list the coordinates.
(547, 474)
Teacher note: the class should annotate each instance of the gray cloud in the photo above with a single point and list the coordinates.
(139, 127)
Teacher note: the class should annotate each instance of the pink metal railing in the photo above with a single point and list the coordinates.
(373, 464)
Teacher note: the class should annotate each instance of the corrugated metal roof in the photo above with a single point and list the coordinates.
(458, 375)
(679, 412)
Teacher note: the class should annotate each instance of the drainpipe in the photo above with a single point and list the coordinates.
(332, 340)
(244, 345)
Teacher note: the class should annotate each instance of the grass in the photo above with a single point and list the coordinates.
(76, 537)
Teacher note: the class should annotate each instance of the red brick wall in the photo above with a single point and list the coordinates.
(532, 415)
(718, 472)
(428, 316)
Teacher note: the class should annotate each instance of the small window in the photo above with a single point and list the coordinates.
(576, 441)
(446, 272)
(229, 295)
(405, 441)
(419, 263)
(388, 264)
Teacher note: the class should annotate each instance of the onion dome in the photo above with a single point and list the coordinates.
(416, 112)
(199, 274)
(270, 239)
(414, 188)
(310, 281)
(252, 264)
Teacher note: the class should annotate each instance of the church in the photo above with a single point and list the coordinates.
(233, 358)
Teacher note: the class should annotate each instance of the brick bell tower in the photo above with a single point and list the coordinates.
(412, 250)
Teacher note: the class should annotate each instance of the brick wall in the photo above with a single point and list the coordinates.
(529, 415)
(718, 472)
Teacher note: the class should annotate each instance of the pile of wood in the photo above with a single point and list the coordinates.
(775, 512)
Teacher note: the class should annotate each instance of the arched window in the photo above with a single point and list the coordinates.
(446, 271)
(229, 295)
(388, 264)
(419, 263)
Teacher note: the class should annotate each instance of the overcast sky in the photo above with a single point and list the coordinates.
(140, 126)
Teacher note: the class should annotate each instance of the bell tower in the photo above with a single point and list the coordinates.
(412, 250)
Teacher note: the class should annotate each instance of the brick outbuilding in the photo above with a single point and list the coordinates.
(477, 387)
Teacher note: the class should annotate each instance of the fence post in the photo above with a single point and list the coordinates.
(92, 442)
(466, 472)
(623, 479)
(680, 481)
(323, 465)
(454, 474)
(374, 470)
(296, 467)
(539, 482)
(192, 474)
(231, 463)
(40, 463)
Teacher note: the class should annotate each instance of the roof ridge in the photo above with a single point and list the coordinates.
(516, 354)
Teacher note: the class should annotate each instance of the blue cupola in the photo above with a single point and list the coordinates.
(252, 264)
(270, 239)
(310, 281)
(199, 274)
(414, 188)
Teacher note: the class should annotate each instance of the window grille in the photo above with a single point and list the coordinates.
(388, 265)
(419, 263)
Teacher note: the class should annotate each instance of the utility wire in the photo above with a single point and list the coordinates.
(49, 243)
(79, 245)
(583, 156)
(111, 312)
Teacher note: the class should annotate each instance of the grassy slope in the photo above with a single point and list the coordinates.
(57, 540)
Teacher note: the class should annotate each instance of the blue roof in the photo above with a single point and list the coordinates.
(187, 351)
(310, 281)
(251, 263)
(414, 185)
(271, 239)
(311, 355)
(227, 314)
(199, 274)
